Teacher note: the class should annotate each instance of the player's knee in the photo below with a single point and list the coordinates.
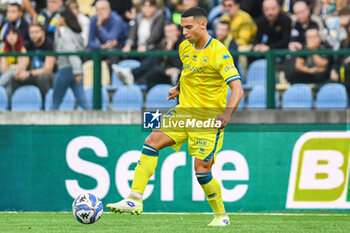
(151, 141)
(158, 140)
(202, 166)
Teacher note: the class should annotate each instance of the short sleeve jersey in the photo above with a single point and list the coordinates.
(205, 75)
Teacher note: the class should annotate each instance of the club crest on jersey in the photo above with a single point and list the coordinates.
(204, 60)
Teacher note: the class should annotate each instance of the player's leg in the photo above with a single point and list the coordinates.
(144, 170)
(147, 163)
(212, 191)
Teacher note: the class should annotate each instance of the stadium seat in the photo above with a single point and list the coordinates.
(297, 96)
(105, 98)
(67, 104)
(240, 71)
(129, 63)
(26, 98)
(116, 80)
(257, 98)
(256, 74)
(127, 98)
(157, 97)
(3, 99)
(241, 104)
(332, 96)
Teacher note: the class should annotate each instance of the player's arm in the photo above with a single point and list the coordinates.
(233, 102)
(174, 91)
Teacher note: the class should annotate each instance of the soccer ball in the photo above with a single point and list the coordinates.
(87, 208)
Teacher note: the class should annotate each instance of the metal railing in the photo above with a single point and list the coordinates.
(98, 55)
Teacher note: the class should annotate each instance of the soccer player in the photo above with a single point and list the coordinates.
(208, 71)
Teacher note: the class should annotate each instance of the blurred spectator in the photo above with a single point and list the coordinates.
(332, 7)
(107, 29)
(14, 19)
(344, 15)
(312, 68)
(273, 28)
(222, 33)
(175, 5)
(167, 69)
(83, 20)
(243, 28)
(10, 65)
(147, 31)
(38, 5)
(122, 7)
(303, 21)
(252, 7)
(314, 5)
(70, 69)
(25, 4)
(187, 4)
(131, 15)
(181, 6)
(41, 69)
(49, 17)
(341, 69)
(337, 32)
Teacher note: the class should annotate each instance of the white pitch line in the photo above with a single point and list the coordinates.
(257, 214)
(204, 213)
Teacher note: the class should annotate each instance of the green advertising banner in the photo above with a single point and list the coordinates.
(260, 167)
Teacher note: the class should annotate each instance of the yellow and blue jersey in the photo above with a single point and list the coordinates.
(205, 75)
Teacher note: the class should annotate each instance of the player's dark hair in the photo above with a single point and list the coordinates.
(16, 5)
(195, 12)
(71, 20)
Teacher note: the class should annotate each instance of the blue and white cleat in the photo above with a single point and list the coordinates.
(220, 221)
(128, 205)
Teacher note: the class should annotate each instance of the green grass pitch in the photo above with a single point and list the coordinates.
(110, 222)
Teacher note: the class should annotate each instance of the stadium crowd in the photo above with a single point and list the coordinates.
(145, 25)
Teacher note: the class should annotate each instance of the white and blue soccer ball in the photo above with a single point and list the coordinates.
(87, 208)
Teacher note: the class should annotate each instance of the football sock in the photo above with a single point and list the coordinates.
(145, 168)
(212, 191)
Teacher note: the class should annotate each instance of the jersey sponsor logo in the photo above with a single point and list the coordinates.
(319, 176)
(194, 68)
(226, 57)
(194, 58)
(229, 67)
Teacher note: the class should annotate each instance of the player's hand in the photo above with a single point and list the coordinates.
(173, 93)
(224, 119)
